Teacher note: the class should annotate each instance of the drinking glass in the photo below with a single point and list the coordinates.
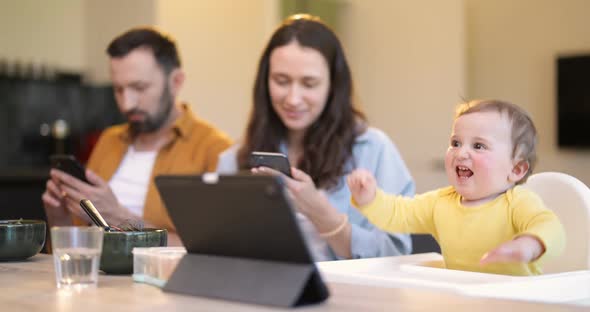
(76, 255)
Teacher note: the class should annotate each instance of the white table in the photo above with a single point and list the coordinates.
(30, 286)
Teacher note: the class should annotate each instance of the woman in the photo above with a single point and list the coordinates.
(303, 108)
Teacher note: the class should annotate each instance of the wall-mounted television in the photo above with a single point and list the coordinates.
(573, 101)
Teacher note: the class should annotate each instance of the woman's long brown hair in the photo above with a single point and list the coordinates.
(328, 142)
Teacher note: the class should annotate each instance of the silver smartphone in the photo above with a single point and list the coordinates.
(276, 161)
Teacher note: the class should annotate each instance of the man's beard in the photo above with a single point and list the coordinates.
(152, 123)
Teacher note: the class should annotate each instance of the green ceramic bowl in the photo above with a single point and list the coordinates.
(21, 239)
(117, 247)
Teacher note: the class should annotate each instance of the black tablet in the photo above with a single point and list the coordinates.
(247, 225)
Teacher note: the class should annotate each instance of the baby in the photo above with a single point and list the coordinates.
(485, 221)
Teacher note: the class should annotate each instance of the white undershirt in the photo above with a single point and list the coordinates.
(131, 180)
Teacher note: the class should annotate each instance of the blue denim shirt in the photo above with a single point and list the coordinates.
(373, 151)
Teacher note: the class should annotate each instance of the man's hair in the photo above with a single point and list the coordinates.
(162, 46)
(523, 131)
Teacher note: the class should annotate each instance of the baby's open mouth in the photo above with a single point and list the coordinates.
(464, 172)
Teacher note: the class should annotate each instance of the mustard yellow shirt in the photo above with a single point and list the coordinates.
(465, 234)
(193, 150)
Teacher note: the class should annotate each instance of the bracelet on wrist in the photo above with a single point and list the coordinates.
(338, 229)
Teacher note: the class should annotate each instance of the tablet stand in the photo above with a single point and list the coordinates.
(248, 280)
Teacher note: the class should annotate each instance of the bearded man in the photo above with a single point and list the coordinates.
(161, 136)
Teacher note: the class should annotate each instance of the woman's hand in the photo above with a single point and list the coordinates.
(307, 198)
(314, 204)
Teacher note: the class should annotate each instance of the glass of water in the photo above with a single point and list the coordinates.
(76, 255)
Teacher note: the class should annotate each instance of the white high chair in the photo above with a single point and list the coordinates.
(569, 198)
(566, 279)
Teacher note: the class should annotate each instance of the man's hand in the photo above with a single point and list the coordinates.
(98, 192)
(53, 202)
(525, 248)
(362, 185)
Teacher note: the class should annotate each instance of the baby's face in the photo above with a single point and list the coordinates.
(479, 162)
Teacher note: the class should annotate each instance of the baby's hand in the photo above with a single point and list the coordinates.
(362, 185)
(525, 248)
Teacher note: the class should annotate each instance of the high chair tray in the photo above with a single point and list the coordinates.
(426, 271)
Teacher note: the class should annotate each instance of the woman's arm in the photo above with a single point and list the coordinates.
(331, 225)
(349, 234)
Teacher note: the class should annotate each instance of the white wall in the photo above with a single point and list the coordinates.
(220, 42)
(70, 35)
(52, 35)
(411, 60)
(408, 63)
(399, 72)
(512, 50)
(105, 19)
(407, 57)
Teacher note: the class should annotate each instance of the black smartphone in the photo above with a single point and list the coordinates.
(70, 165)
(276, 161)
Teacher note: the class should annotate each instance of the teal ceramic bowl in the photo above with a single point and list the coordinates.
(117, 247)
(21, 239)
